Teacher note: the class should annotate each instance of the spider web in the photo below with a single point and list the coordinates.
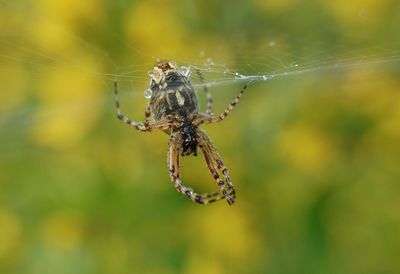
(258, 65)
(268, 59)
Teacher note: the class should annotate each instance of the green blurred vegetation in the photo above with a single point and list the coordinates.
(314, 155)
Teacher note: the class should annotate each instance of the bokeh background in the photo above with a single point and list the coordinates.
(314, 152)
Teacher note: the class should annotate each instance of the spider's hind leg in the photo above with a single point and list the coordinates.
(164, 124)
(207, 92)
(214, 119)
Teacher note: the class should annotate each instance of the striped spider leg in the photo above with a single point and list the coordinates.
(163, 124)
(215, 164)
(174, 150)
(207, 92)
(208, 119)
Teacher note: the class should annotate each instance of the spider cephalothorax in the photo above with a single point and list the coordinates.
(189, 139)
(173, 108)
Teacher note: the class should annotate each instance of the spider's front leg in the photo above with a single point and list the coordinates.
(164, 124)
(214, 163)
(173, 169)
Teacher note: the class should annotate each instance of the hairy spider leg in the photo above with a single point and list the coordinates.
(163, 124)
(214, 163)
(173, 169)
(214, 119)
(207, 92)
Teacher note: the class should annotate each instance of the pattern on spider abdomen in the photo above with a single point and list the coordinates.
(173, 96)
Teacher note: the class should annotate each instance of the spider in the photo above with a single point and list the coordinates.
(173, 108)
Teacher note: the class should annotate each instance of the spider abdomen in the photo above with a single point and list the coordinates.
(174, 96)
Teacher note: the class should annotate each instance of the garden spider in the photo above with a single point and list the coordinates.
(173, 108)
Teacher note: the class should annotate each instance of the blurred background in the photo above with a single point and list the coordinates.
(313, 149)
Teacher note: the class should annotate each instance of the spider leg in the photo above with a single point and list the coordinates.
(214, 164)
(147, 114)
(207, 92)
(173, 169)
(222, 116)
(146, 126)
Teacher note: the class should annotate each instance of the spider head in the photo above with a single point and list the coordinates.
(189, 140)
